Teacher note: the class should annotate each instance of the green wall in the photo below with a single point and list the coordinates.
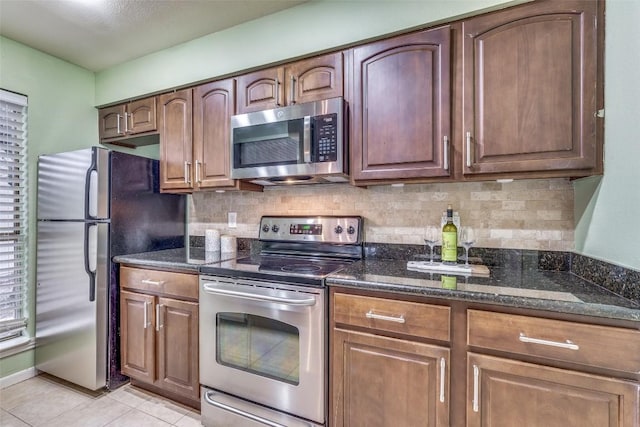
(61, 117)
(607, 208)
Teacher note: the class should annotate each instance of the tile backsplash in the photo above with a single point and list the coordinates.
(523, 214)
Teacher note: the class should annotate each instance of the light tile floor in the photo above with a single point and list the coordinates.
(44, 401)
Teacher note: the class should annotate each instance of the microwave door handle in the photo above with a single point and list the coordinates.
(306, 139)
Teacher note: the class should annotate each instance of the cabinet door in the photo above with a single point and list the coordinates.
(177, 327)
(314, 79)
(380, 381)
(260, 90)
(401, 107)
(137, 336)
(529, 96)
(141, 116)
(111, 122)
(176, 141)
(506, 393)
(214, 104)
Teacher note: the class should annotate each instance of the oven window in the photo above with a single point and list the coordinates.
(258, 345)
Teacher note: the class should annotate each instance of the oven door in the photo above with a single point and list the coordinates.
(266, 343)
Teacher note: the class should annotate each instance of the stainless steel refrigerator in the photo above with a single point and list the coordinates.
(93, 204)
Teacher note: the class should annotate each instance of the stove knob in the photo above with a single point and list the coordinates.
(351, 229)
(338, 229)
(275, 228)
(265, 228)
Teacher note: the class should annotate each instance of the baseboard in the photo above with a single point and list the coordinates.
(12, 379)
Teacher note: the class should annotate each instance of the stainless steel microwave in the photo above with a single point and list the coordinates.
(302, 143)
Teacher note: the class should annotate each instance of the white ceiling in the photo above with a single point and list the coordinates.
(98, 34)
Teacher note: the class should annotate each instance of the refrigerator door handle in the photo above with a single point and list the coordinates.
(91, 256)
(91, 189)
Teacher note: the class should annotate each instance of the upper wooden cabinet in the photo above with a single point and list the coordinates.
(308, 80)
(401, 108)
(129, 119)
(529, 91)
(195, 140)
(214, 104)
(176, 140)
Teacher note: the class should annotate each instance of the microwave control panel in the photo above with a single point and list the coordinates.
(326, 138)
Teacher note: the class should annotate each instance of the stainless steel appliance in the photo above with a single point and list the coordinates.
(263, 324)
(301, 143)
(93, 204)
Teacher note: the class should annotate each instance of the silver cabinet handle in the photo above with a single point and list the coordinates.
(567, 344)
(145, 317)
(306, 139)
(443, 364)
(256, 295)
(208, 398)
(126, 123)
(152, 282)
(277, 93)
(292, 89)
(468, 142)
(187, 172)
(118, 116)
(445, 161)
(476, 377)
(371, 315)
(198, 177)
(158, 323)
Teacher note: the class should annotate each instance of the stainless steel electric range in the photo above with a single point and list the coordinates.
(263, 323)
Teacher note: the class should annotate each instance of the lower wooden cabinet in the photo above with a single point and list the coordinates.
(159, 339)
(504, 393)
(381, 381)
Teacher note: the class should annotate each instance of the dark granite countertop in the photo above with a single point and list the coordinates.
(517, 280)
(182, 259)
(526, 287)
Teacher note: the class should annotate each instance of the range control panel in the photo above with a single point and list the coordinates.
(326, 229)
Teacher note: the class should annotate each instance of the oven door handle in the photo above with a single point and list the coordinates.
(210, 401)
(257, 295)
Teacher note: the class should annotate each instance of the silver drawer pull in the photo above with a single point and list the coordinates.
(371, 315)
(567, 344)
(152, 282)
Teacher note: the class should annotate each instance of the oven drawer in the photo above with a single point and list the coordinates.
(181, 285)
(559, 340)
(385, 315)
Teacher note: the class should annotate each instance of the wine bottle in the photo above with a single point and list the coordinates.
(449, 239)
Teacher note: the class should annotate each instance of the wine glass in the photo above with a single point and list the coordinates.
(430, 239)
(467, 239)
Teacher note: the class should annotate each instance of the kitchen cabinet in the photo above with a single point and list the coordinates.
(505, 391)
(401, 108)
(159, 331)
(312, 79)
(176, 140)
(124, 120)
(531, 91)
(378, 379)
(195, 139)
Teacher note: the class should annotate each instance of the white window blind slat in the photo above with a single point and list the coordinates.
(13, 214)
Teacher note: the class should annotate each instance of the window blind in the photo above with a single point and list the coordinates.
(13, 214)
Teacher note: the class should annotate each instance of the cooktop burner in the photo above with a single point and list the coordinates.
(298, 250)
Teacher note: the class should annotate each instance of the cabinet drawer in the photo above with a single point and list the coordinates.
(160, 282)
(409, 318)
(592, 345)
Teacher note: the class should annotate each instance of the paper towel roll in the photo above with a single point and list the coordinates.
(211, 240)
(228, 244)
